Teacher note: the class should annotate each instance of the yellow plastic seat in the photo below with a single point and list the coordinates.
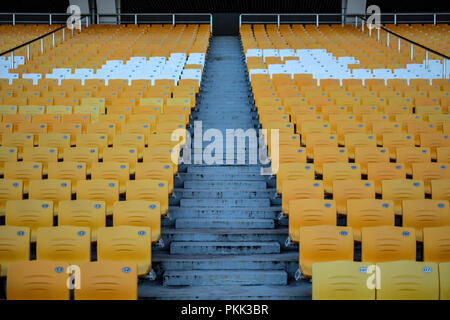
(107, 280)
(324, 155)
(139, 213)
(99, 190)
(366, 155)
(83, 213)
(444, 280)
(348, 127)
(130, 140)
(111, 242)
(51, 189)
(23, 170)
(442, 154)
(17, 140)
(408, 280)
(402, 189)
(363, 213)
(7, 154)
(149, 189)
(354, 140)
(341, 280)
(156, 171)
(87, 155)
(410, 155)
(164, 155)
(380, 171)
(293, 171)
(111, 171)
(93, 140)
(339, 171)
(43, 155)
(425, 213)
(433, 141)
(436, 244)
(67, 170)
(37, 280)
(33, 214)
(323, 244)
(387, 243)
(70, 244)
(55, 140)
(427, 171)
(344, 190)
(397, 140)
(310, 212)
(440, 189)
(300, 189)
(14, 246)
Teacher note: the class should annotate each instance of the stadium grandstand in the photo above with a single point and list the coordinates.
(248, 150)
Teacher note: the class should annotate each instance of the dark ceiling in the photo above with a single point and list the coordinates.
(236, 6)
(241, 6)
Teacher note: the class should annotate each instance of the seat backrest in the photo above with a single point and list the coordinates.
(70, 244)
(100, 190)
(14, 246)
(111, 242)
(341, 280)
(294, 171)
(37, 280)
(408, 280)
(344, 190)
(310, 212)
(369, 213)
(300, 189)
(139, 213)
(107, 280)
(149, 189)
(324, 243)
(425, 213)
(444, 280)
(83, 213)
(387, 243)
(29, 213)
(436, 244)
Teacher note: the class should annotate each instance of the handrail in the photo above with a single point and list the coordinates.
(408, 40)
(341, 15)
(173, 16)
(31, 41)
(413, 43)
(279, 15)
(28, 43)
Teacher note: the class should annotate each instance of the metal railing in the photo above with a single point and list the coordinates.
(160, 18)
(290, 18)
(41, 39)
(122, 18)
(37, 18)
(399, 38)
(336, 18)
(415, 17)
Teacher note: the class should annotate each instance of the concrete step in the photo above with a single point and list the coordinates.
(225, 185)
(282, 261)
(224, 235)
(224, 194)
(231, 213)
(222, 177)
(224, 277)
(224, 248)
(195, 203)
(185, 223)
(234, 169)
(297, 290)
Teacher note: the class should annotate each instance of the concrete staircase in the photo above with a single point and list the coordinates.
(223, 239)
